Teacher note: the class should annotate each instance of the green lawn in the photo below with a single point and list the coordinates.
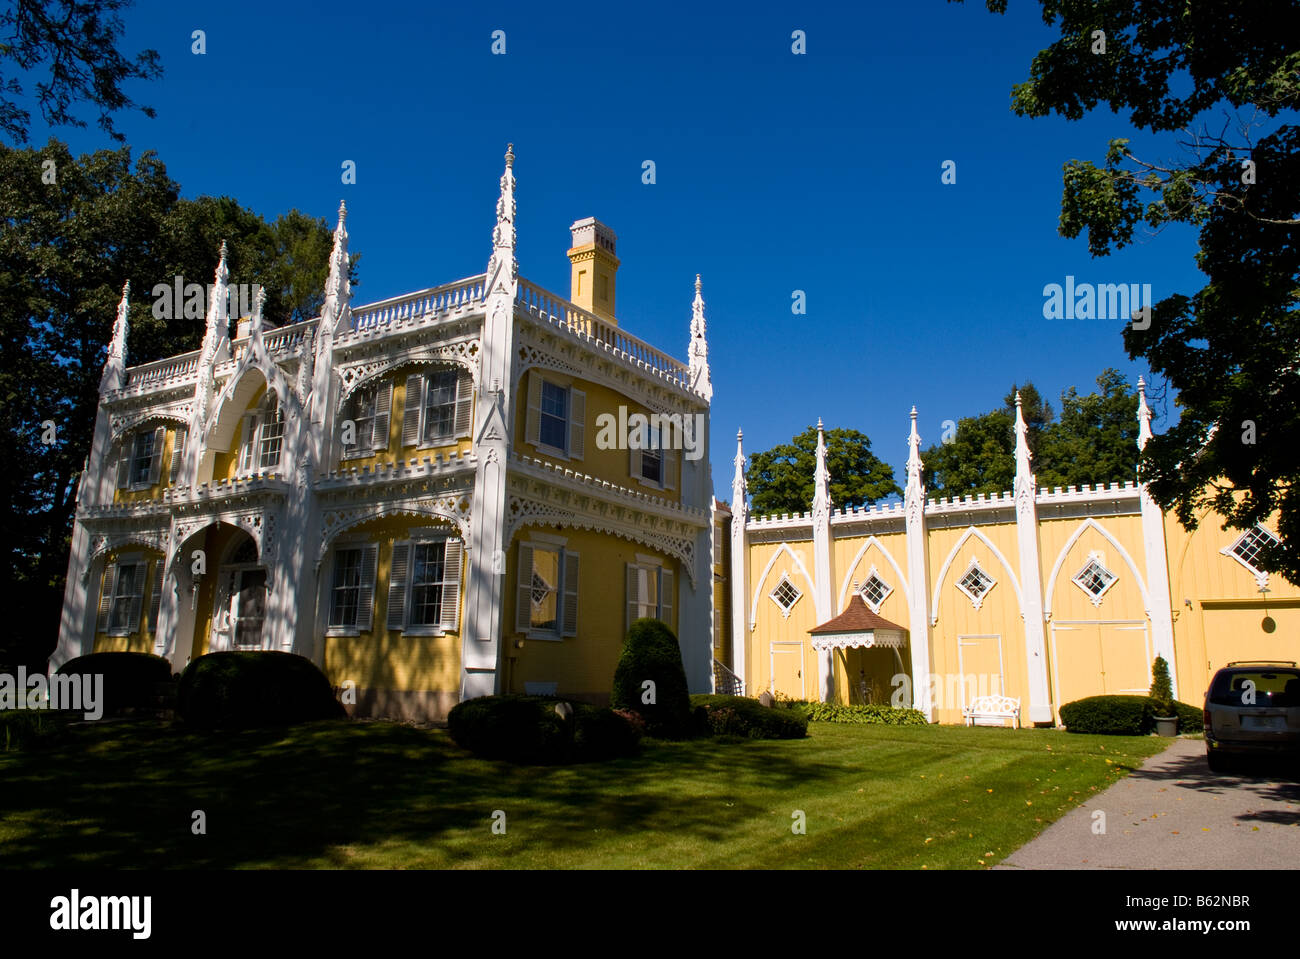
(377, 795)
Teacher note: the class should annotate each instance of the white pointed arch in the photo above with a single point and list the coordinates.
(237, 394)
(898, 571)
(459, 356)
(758, 584)
(952, 554)
(1091, 523)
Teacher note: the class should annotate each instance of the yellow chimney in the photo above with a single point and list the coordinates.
(594, 267)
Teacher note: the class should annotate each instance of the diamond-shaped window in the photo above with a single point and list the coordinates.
(1094, 579)
(874, 591)
(1250, 544)
(976, 584)
(785, 595)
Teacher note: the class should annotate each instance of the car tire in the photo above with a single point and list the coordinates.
(1217, 762)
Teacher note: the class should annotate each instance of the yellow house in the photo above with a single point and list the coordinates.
(466, 490)
(1044, 596)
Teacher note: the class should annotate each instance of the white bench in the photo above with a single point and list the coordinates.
(992, 711)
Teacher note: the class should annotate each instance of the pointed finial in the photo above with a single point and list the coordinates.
(510, 156)
(698, 285)
(1017, 399)
(255, 321)
(223, 251)
(740, 435)
(819, 424)
(343, 211)
(1144, 416)
(913, 418)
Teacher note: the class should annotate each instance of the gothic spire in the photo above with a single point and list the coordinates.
(914, 459)
(1144, 415)
(338, 289)
(700, 379)
(1023, 456)
(115, 363)
(739, 488)
(503, 235)
(822, 477)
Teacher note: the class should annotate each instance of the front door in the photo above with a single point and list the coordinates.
(250, 609)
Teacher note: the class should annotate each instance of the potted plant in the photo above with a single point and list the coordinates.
(1162, 699)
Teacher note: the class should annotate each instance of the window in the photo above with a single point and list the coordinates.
(437, 408)
(976, 584)
(121, 597)
(369, 409)
(655, 462)
(352, 588)
(649, 592)
(1094, 579)
(556, 417)
(875, 590)
(1249, 545)
(424, 585)
(262, 438)
(785, 595)
(546, 601)
(271, 436)
(139, 462)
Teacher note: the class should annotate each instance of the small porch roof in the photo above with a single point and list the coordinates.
(856, 627)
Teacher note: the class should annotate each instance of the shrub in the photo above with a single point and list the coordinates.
(867, 714)
(651, 653)
(1162, 689)
(527, 729)
(131, 680)
(747, 718)
(26, 729)
(1109, 715)
(232, 690)
(1191, 719)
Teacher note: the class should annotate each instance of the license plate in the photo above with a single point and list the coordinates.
(1263, 722)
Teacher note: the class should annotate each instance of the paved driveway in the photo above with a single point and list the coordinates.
(1173, 813)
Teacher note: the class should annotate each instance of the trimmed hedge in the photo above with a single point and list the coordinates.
(234, 690)
(866, 714)
(652, 653)
(528, 730)
(747, 718)
(1124, 716)
(131, 680)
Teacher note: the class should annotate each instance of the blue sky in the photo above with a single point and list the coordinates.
(775, 173)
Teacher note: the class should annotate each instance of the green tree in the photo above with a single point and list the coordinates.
(65, 250)
(781, 480)
(1229, 349)
(69, 49)
(980, 456)
(1095, 440)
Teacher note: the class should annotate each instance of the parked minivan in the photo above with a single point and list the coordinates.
(1252, 709)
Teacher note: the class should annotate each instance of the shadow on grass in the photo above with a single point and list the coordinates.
(124, 795)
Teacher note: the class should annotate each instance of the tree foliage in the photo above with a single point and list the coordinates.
(68, 51)
(1226, 77)
(65, 250)
(1094, 441)
(781, 480)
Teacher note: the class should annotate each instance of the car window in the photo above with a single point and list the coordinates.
(1268, 687)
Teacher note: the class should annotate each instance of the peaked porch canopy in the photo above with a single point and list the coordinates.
(856, 627)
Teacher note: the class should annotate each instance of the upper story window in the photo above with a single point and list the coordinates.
(139, 461)
(785, 595)
(655, 462)
(1249, 545)
(875, 591)
(261, 440)
(1094, 579)
(556, 417)
(368, 410)
(976, 584)
(438, 408)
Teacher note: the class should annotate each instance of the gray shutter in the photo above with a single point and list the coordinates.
(464, 404)
(524, 601)
(577, 422)
(411, 410)
(383, 413)
(533, 421)
(366, 595)
(155, 461)
(570, 623)
(124, 461)
(633, 594)
(350, 410)
(634, 467)
(666, 596)
(137, 598)
(155, 598)
(107, 586)
(179, 438)
(248, 432)
(397, 585)
(451, 586)
(669, 467)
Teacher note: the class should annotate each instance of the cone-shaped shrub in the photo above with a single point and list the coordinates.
(652, 656)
